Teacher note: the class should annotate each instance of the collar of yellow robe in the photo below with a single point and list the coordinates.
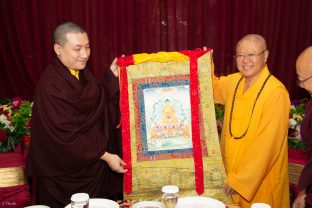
(75, 73)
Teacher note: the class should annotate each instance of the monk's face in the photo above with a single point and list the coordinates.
(304, 74)
(75, 52)
(251, 57)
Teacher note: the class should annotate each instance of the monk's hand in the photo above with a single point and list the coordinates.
(206, 49)
(300, 200)
(227, 189)
(114, 162)
(114, 67)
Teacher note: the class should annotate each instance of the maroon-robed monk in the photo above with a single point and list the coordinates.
(305, 181)
(304, 72)
(74, 140)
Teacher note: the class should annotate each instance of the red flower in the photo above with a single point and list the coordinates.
(26, 139)
(17, 102)
(3, 136)
(7, 116)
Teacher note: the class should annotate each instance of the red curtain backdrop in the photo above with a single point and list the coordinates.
(139, 26)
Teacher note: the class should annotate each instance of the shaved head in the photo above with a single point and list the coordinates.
(253, 38)
(60, 32)
(304, 61)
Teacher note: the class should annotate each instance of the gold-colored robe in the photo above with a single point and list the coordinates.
(257, 164)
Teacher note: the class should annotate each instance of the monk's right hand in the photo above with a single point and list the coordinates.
(114, 162)
(114, 67)
(227, 189)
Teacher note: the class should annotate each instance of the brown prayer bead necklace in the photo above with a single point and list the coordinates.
(253, 107)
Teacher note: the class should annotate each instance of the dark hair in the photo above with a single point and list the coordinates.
(59, 34)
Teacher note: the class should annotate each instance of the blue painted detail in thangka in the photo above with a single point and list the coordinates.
(165, 117)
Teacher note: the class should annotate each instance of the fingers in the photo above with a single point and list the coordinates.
(122, 162)
(232, 192)
(121, 170)
(204, 48)
(299, 202)
(228, 190)
(121, 167)
(117, 164)
(114, 162)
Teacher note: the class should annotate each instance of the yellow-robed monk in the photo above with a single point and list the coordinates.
(254, 136)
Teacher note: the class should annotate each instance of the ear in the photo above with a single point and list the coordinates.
(266, 55)
(57, 49)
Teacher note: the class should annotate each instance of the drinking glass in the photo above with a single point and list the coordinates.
(170, 196)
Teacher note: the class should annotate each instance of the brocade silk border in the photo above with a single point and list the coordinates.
(123, 63)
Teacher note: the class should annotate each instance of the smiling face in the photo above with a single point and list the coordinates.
(251, 56)
(75, 53)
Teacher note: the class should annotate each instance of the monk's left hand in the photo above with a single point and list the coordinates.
(227, 189)
(114, 162)
(300, 200)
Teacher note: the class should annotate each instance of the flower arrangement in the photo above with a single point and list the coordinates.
(296, 115)
(14, 123)
(219, 111)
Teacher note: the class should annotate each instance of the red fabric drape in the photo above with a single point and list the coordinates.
(195, 101)
(137, 26)
(18, 195)
(125, 120)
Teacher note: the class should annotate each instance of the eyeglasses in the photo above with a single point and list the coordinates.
(299, 82)
(248, 56)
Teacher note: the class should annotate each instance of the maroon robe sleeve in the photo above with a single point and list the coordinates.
(305, 181)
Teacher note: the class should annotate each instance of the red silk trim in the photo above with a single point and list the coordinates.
(123, 62)
(197, 150)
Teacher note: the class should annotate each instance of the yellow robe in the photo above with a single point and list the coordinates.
(257, 164)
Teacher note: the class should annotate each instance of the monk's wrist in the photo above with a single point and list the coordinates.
(105, 156)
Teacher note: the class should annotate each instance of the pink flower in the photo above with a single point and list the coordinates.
(3, 136)
(16, 103)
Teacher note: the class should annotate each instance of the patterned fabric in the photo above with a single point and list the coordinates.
(168, 125)
(14, 190)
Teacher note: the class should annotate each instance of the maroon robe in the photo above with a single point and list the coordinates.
(305, 181)
(73, 124)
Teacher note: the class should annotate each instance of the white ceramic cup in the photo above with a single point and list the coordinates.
(260, 205)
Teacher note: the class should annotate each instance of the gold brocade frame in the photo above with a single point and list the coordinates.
(150, 169)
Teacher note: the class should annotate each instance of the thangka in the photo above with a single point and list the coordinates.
(169, 133)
